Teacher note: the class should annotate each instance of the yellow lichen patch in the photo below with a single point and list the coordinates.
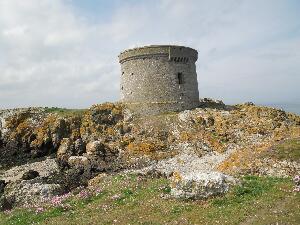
(241, 160)
(43, 132)
(22, 132)
(185, 136)
(110, 131)
(13, 121)
(244, 159)
(144, 147)
(74, 126)
(101, 120)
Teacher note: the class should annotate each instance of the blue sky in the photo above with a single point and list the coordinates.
(64, 52)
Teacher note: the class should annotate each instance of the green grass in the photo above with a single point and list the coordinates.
(288, 150)
(27, 216)
(134, 200)
(65, 112)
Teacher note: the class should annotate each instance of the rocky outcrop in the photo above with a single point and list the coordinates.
(105, 134)
(30, 192)
(200, 185)
(30, 183)
(37, 132)
(46, 168)
(108, 138)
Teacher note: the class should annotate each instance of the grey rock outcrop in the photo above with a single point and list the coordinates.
(200, 185)
(30, 192)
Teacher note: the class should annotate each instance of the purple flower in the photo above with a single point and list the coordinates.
(39, 210)
(98, 190)
(296, 179)
(83, 194)
(116, 196)
(59, 199)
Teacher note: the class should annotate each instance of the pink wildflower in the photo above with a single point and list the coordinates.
(59, 199)
(98, 190)
(116, 196)
(84, 194)
(39, 210)
(296, 179)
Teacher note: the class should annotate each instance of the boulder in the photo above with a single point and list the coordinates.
(30, 192)
(200, 185)
(30, 174)
(76, 176)
(65, 150)
(79, 161)
(45, 168)
(101, 156)
(95, 148)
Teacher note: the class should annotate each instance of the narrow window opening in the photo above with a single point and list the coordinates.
(180, 78)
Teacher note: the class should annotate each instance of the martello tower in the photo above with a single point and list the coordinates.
(159, 78)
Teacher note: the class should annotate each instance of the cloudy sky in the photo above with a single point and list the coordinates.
(64, 52)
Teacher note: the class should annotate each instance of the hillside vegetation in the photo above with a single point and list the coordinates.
(216, 164)
(128, 199)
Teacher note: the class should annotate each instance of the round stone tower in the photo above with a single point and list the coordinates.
(159, 78)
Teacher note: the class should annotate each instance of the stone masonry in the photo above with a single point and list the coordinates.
(159, 79)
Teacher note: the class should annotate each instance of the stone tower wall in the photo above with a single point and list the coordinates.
(158, 79)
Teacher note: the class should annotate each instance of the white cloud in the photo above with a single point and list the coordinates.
(52, 54)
